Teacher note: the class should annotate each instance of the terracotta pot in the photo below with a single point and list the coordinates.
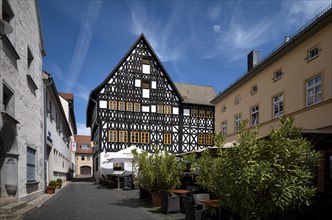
(50, 190)
(156, 198)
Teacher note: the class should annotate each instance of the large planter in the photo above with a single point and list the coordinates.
(50, 190)
(156, 198)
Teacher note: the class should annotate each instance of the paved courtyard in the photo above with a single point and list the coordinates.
(87, 200)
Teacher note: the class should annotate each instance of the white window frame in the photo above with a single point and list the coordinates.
(224, 128)
(254, 115)
(314, 90)
(277, 75)
(237, 122)
(278, 105)
(313, 53)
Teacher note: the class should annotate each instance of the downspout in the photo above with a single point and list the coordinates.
(99, 133)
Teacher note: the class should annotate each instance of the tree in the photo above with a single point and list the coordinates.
(259, 177)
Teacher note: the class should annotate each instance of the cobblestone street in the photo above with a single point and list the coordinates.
(87, 200)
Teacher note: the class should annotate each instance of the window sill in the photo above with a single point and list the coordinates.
(32, 183)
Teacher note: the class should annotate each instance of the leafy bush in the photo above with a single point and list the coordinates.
(159, 170)
(59, 181)
(52, 184)
(260, 177)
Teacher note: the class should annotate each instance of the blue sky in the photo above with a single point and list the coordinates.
(199, 42)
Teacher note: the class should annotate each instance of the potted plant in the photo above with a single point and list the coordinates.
(156, 171)
(58, 183)
(51, 187)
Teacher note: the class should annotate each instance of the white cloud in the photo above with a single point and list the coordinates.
(216, 28)
(82, 129)
(83, 43)
(214, 13)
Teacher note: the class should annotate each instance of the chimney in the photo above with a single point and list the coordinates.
(253, 59)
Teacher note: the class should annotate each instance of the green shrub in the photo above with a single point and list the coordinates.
(52, 184)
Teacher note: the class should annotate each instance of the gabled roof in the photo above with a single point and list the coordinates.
(196, 94)
(67, 96)
(96, 91)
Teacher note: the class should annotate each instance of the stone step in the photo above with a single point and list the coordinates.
(12, 207)
(25, 210)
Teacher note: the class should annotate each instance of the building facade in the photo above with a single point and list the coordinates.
(138, 104)
(21, 98)
(58, 134)
(295, 80)
(67, 102)
(83, 154)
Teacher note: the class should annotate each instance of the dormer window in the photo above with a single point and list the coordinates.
(313, 53)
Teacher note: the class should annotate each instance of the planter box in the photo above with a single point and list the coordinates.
(50, 190)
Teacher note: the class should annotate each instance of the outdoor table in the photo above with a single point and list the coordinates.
(214, 203)
(118, 173)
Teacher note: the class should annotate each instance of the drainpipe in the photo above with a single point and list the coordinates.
(99, 161)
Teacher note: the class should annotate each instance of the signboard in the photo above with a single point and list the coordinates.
(127, 182)
(73, 146)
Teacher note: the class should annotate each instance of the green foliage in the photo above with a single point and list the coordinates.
(159, 170)
(59, 181)
(260, 177)
(52, 184)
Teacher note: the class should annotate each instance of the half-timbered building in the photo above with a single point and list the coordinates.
(138, 104)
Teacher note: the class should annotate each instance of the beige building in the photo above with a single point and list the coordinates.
(294, 80)
(83, 155)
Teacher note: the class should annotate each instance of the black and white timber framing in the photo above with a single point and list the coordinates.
(138, 104)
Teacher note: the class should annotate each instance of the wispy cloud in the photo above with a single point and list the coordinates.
(169, 44)
(214, 13)
(82, 129)
(83, 43)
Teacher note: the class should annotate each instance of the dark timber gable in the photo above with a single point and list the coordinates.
(138, 104)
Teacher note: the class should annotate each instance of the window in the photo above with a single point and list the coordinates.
(129, 106)
(237, 120)
(122, 106)
(146, 65)
(88, 157)
(186, 112)
(278, 106)
(237, 99)
(31, 164)
(167, 109)
(167, 138)
(137, 107)
(254, 89)
(208, 139)
(146, 85)
(277, 75)
(82, 157)
(202, 113)
(224, 128)
(85, 146)
(314, 90)
(8, 100)
(145, 137)
(313, 53)
(201, 139)
(209, 114)
(112, 136)
(30, 57)
(223, 108)
(160, 109)
(194, 112)
(254, 115)
(118, 166)
(134, 137)
(7, 12)
(112, 105)
(137, 83)
(123, 136)
(146, 93)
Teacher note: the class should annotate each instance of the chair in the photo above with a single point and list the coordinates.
(169, 202)
(201, 196)
(191, 212)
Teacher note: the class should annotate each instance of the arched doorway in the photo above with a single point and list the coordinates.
(85, 170)
(8, 157)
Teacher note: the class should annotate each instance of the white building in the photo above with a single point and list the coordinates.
(21, 99)
(58, 133)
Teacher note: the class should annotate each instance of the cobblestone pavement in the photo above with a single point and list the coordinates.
(87, 200)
